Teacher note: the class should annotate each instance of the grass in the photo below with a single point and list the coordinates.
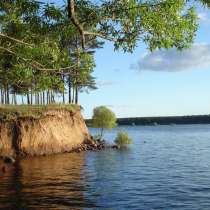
(13, 112)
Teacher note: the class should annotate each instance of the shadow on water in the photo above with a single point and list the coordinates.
(105, 172)
(54, 182)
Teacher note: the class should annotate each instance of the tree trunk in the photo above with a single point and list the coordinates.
(76, 95)
(8, 102)
(28, 98)
(48, 97)
(69, 90)
(12, 100)
(102, 131)
(53, 97)
(2, 96)
(63, 97)
(43, 97)
(73, 96)
(15, 98)
(4, 92)
(31, 96)
(38, 98)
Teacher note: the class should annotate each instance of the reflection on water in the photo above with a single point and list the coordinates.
(53, 182)
(166, 167)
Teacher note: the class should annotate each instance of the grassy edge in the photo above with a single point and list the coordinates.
(13, 112)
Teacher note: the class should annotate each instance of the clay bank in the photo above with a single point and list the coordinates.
(41, 130)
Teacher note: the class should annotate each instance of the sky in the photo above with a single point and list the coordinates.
(163, 83)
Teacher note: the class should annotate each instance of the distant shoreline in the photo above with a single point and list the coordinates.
(168, 120)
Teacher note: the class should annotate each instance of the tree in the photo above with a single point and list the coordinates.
(206, 3)
(46, 50)
(158, 23)
(103, 118)
(31, 58)
(29, 32)
(39, 58)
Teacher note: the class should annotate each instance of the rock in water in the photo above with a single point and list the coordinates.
(115, 146)
(3, 169)
(10, 160)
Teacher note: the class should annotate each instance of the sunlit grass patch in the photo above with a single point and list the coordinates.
(12, 112)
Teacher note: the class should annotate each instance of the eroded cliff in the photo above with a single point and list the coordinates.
(54, 131)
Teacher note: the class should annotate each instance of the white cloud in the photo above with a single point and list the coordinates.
(203, 17)
(172, 60)
(105, 83)
(119, 106)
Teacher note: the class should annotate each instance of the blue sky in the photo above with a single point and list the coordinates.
(159, 84)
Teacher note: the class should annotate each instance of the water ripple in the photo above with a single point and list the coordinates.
(167, 167)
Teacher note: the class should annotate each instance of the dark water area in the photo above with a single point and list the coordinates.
(166, 167)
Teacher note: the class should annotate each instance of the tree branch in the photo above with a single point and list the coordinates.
(75, 21)
(36, 64)
(15, 40)
(83, 33)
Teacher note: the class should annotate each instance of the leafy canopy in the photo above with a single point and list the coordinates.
(157, 23)
(46, 48)
(40, 51)
(103, 118)
(29, 32)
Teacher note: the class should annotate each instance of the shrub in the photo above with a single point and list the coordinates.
(123, 139)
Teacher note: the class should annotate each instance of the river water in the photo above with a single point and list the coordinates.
(166, 167)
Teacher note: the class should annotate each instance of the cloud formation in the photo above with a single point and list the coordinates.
(203, 17)
(105, 83)
(122, 106)
(172, 60)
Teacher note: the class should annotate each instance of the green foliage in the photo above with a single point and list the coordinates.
(38, 52)
(160, 24)
(103, 118)
(46, 49)
(206, 3)
(123, 139)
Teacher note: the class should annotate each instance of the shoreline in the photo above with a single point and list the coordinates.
(168, 120)
(41, 130)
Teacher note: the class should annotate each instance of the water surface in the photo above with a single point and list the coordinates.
(167, 167)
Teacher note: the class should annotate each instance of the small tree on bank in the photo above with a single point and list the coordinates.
(103, 118)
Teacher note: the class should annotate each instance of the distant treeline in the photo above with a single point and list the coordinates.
(195, 119)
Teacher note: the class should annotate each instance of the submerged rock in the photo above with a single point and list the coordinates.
(96, 145)
(115, 146)
(8, 160)
(3, 169)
